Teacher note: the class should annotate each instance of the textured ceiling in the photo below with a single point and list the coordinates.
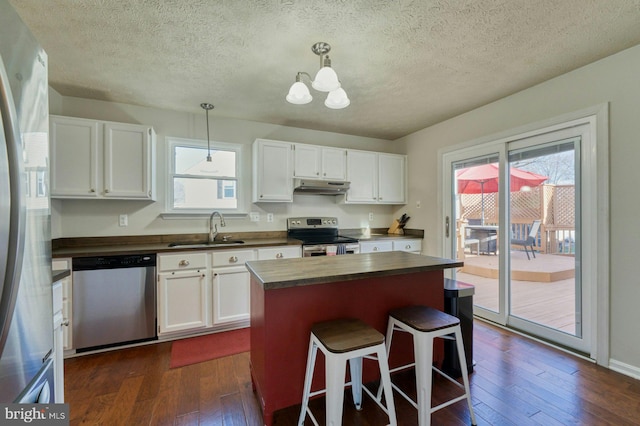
(404, 64)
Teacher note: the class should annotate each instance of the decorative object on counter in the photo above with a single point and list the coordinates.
(207, 107)
(211, 346)
(326, 81)
(397, 227)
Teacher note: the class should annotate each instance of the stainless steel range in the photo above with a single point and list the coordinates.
(320, 236)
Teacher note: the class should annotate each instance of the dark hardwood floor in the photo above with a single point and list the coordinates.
(516, 381)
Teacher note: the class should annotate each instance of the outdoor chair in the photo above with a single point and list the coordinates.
(530, 240)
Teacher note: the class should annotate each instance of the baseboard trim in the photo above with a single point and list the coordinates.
(626, 369)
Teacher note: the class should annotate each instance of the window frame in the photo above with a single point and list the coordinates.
(240, 177)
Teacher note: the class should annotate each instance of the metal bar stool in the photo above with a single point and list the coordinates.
(425, 324)
(340, 341)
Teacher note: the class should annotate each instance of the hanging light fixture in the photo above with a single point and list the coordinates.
(207, 107)
(326, 80)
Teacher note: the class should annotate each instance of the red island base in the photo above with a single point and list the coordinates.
(281, 321)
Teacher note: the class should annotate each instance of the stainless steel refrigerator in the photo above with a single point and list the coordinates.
(26, 318)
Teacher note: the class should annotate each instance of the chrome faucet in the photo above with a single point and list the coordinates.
(214, 233)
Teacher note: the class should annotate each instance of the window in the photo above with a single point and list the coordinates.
(197, 185)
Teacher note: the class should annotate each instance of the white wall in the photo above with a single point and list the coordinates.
(84, 218)
(616, 80)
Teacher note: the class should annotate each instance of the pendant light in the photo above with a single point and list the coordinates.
(326, 80)
(207, 107)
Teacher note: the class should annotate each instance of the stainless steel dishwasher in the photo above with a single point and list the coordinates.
(114, 300)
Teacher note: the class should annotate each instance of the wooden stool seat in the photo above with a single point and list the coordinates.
(424, 318)
(341, 341)
(348, 334)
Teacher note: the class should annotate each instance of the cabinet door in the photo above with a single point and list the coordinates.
(391, 179)
(183, 301)
(375, 246)
(362, 173)
(67, 297)
(272, 171)
(402, 244)
(282, 252)
(127, 161)
(230, 294)
(74, 157)
(334, 164)
(306, 161)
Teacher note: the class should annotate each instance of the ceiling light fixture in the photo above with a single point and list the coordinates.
(326, 81)
(207, 107)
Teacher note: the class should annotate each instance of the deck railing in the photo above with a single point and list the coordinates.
(554, 205)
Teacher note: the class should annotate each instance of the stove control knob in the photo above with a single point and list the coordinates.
(334, 221)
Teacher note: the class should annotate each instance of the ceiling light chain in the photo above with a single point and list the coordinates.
(326, 81)
(207, 107)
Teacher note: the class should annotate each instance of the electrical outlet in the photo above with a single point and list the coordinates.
(370, 217)
(123, 220)
(269, 217)
(254, 216)
(418, 204)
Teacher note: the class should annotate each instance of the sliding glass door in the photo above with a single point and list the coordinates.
(516, 215)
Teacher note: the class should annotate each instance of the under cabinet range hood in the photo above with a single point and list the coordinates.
(319, 187)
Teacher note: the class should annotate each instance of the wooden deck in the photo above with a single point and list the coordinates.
(543, 289)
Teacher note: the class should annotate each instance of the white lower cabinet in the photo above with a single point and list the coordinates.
(183, 292)
(67, 297)
(408, 245)
(282, 252)
(58, 357)
(203, 291)
(391, 244)
(230, 294)
(376, 246)
(231, 285)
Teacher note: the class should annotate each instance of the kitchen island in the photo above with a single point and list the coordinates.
(289, 295)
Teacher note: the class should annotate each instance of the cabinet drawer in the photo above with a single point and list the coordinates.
(235, 257)
(407, 245)
(284, 252)
(375, 246)
(182, 261)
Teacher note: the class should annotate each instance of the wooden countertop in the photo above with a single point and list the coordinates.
(283, 273)
(162, 247)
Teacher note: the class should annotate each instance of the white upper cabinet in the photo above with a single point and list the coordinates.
(74, 158)
(376, 178)
(272, 171)
(317, 162)
(392, 180)
(362, 172)
(128, 164)
(98, 159)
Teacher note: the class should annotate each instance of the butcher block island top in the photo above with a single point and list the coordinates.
(283, 273)
(289, 295)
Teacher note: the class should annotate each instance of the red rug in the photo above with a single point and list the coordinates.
(208, 347)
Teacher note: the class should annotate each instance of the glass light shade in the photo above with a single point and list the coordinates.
(299, 94)
(326, 80)
(337, 99)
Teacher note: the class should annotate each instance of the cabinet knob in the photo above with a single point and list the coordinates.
(375, 249)
(92, 190)
(261, 195)
(149, 193)
(65, 323)
(183, 263)
(106, 191)
(233, 259)
(279, 256)
(408, 246)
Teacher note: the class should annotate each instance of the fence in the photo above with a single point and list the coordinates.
(554, 205)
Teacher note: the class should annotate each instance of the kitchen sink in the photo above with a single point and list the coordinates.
(207, 244)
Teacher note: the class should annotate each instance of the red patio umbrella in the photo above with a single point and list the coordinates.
(484, 179)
